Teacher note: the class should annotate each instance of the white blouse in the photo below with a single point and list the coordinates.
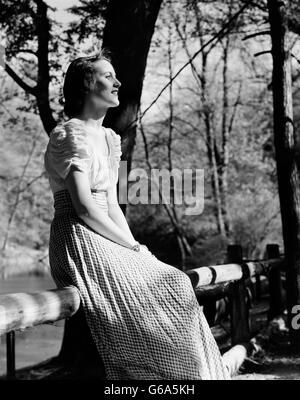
(70, 143)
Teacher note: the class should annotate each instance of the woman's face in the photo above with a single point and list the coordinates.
(105, 93)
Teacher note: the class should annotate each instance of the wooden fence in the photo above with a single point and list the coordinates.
(25, 310)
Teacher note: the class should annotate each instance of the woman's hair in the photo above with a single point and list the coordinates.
(79, 81)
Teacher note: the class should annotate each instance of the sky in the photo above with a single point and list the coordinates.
(61, 5)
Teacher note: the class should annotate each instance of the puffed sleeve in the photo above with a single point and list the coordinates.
(116, 147)
(116, 152)
(68, 146)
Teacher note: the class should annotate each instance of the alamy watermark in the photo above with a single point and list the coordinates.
(296, 319)
(163, 186)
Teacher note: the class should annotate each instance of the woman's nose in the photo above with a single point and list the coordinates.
(118, 82)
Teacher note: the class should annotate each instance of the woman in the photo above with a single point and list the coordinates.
(142, 313)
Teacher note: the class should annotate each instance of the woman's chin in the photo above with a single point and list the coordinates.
(115, 103)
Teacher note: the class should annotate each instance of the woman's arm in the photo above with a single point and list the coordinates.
(77, 183)
(115, 212)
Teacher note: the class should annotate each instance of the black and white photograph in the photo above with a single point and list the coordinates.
(150, 193)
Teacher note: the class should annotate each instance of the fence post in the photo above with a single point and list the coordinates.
(10, 356)
(239, 312)
(257, 287)
(275, 286)
(209, 310)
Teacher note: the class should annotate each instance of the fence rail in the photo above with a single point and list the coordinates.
(25, 310)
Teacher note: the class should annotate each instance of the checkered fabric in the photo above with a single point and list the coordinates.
(143, 313)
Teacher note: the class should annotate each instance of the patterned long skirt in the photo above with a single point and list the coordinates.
(142, 313)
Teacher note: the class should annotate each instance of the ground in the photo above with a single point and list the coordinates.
(273, 359)
(275, 368)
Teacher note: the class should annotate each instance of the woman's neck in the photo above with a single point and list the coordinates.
(94, 122)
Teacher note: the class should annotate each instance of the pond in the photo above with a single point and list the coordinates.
(36, 344)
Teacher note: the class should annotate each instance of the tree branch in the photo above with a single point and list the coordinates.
(260, 53)
(217, 36)
(28, 51)
(19, 80)
(261, 33)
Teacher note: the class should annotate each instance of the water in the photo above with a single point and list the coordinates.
(26, 283)
(36, 344)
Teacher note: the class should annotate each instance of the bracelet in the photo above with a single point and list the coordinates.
(136, 246)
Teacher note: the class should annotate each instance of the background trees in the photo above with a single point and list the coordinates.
(285, 141)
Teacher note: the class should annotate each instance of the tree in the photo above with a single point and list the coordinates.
(216, 138)
(128, 31)
(30, 35)
(284, 140)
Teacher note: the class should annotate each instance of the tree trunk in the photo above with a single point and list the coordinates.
(41, 90)
(184, 247)
(43, 78)
(213, 154)
(287, 172)
(223, 168)
(127, 34)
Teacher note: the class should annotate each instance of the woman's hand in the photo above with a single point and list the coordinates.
(77, 183)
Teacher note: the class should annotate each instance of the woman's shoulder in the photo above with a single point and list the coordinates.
(116, 138)
(68, 147)
(68, 133)
(69, 138)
